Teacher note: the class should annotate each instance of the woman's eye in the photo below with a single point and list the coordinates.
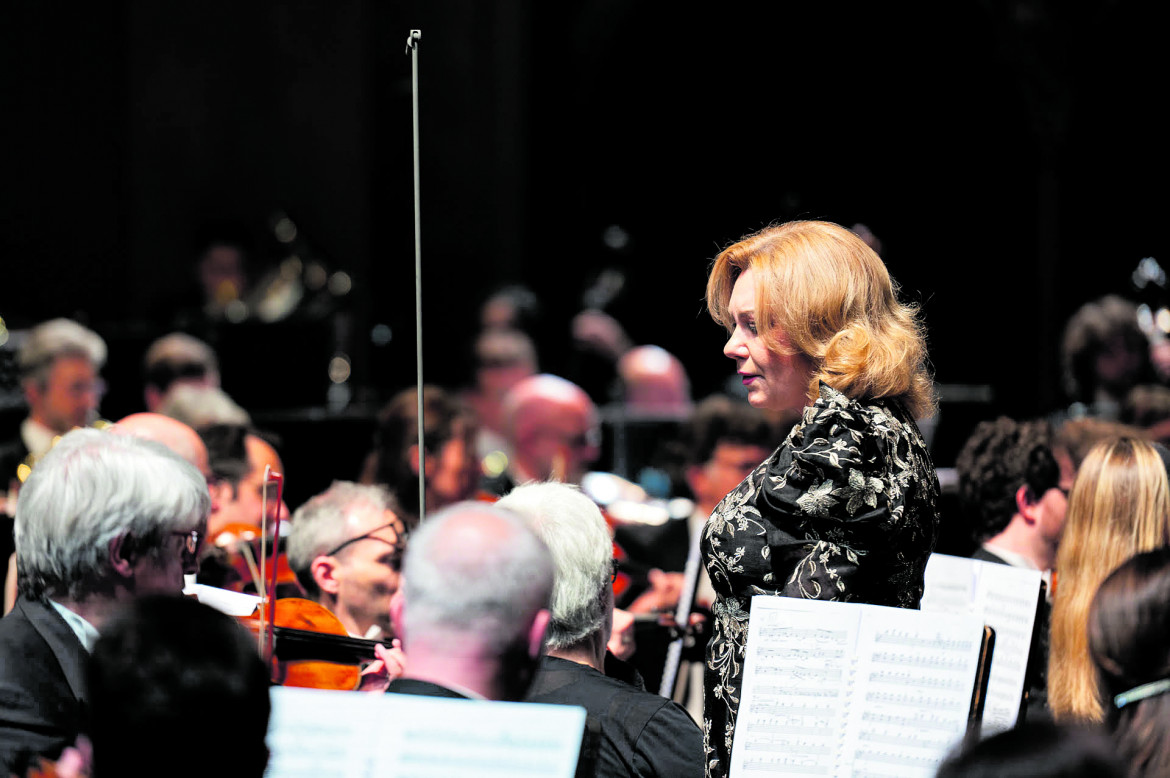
(751, 325)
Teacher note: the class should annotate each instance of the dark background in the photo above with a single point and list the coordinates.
(1010, 156)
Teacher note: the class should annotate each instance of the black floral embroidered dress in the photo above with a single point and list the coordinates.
(845, 509)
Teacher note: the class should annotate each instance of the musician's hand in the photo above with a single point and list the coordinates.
(621, 640)
(390, 664)
(663, 594)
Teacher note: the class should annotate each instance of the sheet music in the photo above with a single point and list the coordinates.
(326, 734)
(840, 689)
(1004, 598)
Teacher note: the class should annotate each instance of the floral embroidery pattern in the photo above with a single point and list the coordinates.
(845, 509)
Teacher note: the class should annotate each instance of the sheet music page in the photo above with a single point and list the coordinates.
(796, 680)
(842, 689)
(323, 734)
(1004, 598)
(915, 675)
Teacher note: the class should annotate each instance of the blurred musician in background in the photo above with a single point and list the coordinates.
(102, 519)
(449, 451)
(553, 429)
(174, 360)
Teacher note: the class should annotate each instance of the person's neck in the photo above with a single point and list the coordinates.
(95, 610)
(461, 670)
(590, 651)
(1020, 538)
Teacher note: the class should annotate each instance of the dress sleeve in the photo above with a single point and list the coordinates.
(835, 494)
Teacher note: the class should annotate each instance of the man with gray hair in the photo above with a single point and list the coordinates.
(102, 519)
(346, 546)
(472, 607)
(629, 731)
(58, 362)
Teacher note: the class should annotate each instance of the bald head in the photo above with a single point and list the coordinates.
(473, 600)
(172, 433)
(553, 427)
(655, 382)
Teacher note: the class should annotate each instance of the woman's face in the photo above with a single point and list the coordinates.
(775, 382)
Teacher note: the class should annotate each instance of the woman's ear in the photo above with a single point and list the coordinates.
(412, 459)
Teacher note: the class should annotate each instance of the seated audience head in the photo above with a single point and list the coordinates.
(825, 310)
(1037, 750)
(174, 360)
(472, 606)
(654, 382)
(452, 473)
(345, 546)
(723, 442)
(1104, 351)
(59, 362)
(164, 670)
(1129, 639)
(553, 427)
(238, 458)
(103, 517)
(1014, 479)
(1120, 506)
(203, 406)
(512, 306)
(572, 527)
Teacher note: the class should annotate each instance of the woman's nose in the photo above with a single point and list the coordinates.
(734, 347)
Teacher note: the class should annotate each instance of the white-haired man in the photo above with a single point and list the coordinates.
(346, 546)
(102, 519)
(633, 732)
(472, 607)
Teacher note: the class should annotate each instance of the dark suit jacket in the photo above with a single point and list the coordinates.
(983, 555)
(422, 688)
(42, 685)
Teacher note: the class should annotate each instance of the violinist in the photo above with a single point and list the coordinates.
(102, 519)
(345, 546)
(238, 457)
(449, 431)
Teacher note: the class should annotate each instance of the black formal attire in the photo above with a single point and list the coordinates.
(984, 555)
(845, 509)
(422, 689)
(629, 731)
(43, 699)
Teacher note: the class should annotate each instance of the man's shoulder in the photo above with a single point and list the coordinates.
(422, 689)
(983, 554)
(561, 681)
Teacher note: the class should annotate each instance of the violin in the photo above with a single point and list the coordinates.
(234, 565)
(311, 649)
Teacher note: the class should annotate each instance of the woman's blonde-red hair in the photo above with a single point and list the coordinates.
(831, 296)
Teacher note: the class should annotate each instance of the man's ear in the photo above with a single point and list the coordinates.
(1027, 504)
(537, 632)
(324, 572)
(396, 602)
(122, 557)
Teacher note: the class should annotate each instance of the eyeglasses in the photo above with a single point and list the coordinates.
(397, 544)
(192, 540)
(614, 568)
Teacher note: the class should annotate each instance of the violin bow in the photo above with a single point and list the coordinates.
(412, 49)
(268, 604)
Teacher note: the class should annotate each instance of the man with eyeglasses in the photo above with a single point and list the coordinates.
(102, 520)
(345, 546)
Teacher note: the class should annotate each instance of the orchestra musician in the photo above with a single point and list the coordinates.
(846, 507)
(345, 546)
(101, 520)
